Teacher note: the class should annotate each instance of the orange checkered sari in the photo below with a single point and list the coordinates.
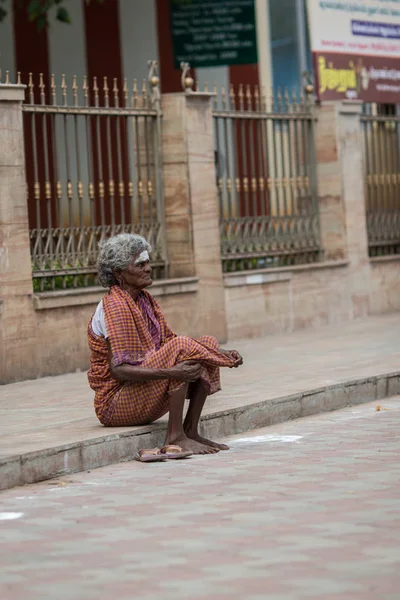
(138, 334)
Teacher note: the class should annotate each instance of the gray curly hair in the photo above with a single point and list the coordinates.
(116, 254)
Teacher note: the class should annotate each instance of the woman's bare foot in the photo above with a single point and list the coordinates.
(192, 445)
(198, 438)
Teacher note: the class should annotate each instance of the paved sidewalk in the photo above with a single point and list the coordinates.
(308, 509)
(49, 412)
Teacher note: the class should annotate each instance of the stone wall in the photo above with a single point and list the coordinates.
(347, 284)
(17, 315)
(61, 323)
(291, 298)
(257, 304)
(385, 284)
(287, 299)
(46, 334)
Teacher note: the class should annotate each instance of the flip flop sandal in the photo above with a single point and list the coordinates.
(150, 455)
(175, 452)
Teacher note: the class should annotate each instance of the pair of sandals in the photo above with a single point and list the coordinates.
(162, 454)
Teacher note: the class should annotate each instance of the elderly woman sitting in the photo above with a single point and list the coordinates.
(140, 369)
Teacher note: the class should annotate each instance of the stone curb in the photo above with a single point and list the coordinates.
(114, 448)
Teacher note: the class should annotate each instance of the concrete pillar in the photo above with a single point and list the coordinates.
(353, 193)
(191, 204)
(176, 187)
(340, 180)
(17, 315)
(266, 78)
(265, 72)
(329, 183)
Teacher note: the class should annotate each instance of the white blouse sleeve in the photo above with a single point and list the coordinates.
(98, 321)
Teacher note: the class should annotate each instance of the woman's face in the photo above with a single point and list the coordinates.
(138, 274)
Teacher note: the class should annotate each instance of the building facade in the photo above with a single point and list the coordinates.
(116, 38)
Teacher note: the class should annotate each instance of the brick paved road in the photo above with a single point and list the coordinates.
(307, 509)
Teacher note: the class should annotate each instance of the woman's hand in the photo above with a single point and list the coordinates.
(235, 356)
(186, 371)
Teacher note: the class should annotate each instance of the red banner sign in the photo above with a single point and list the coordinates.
(354, 77)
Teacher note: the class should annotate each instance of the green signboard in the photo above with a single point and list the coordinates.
(210, 33)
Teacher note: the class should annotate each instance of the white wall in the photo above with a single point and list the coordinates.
(138, 29)
(67, 43)
(7, 55)
(139, 44)
(219, 76)
(213, 75)
(67, 55)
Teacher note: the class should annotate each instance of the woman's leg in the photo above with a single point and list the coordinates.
(175, 431)
(145, 402)
(198, 396)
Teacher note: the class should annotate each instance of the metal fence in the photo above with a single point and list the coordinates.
(94, 169)
(266, 178)
(381, 132)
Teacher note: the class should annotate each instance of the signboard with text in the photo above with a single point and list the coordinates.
(356, 49)
(210, 33)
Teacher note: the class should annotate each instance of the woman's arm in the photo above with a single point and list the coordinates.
(186, 371)
(127, 372)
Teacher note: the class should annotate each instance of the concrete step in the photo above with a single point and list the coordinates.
(48, 427)
(110, 448)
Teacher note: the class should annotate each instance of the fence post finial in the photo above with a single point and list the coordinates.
(186, 80)
(308, 84)
(154, 81)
